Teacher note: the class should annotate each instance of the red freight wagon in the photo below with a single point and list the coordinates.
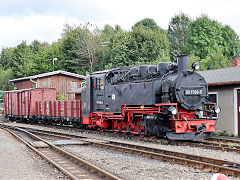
(8, 104)
(22, 103)
(15, 104)
(63, 112)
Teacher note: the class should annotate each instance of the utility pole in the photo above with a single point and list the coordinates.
(54, 59)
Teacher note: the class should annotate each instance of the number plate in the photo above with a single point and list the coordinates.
(193, 92)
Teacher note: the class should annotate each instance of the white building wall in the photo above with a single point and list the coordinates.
(225, 122)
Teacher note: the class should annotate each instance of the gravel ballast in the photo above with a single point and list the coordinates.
(130, 166)
(134, 167)
(18, 162)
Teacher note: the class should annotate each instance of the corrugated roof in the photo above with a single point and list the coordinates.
(225, 76)
(49, 74)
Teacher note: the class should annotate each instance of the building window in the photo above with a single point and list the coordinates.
(213, 98)
(73, 86)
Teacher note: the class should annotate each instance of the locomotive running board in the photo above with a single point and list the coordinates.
(188, 136)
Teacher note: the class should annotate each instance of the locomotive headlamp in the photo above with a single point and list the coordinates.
(172, 110)
(195, 66)
(216, 109)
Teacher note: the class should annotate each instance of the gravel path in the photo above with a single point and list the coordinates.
(135, 167)
(18, 162)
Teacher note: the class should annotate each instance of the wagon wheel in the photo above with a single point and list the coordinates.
(114, 128)
(129, 128)
(122, 127)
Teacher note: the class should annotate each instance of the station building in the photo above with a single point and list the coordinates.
(224, 89)
(66, 83)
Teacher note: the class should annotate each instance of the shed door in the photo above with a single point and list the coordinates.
(238, 109)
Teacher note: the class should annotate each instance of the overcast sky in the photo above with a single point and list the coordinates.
(44, 19)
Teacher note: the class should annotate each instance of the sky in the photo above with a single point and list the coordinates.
(44, 20)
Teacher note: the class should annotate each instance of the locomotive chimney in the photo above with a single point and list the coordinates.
(182, 63)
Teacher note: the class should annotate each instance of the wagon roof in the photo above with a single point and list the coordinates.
(49, 74)
(225, 76)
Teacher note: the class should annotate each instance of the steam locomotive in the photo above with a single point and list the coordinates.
(157, 100)
(163, 100)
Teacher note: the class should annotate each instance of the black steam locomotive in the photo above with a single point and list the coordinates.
(165, 99)
(159, 100)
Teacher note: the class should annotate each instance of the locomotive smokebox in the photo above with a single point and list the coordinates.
(182, 63)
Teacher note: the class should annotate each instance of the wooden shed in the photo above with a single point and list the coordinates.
(64, 82)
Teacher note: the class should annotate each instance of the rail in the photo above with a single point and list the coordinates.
(226, 167)
(60, 158)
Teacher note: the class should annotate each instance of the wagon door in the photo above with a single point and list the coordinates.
(98, 94)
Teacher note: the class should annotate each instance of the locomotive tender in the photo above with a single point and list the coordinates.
(159, 100)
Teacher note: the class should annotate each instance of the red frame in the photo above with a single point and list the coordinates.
(183, 122)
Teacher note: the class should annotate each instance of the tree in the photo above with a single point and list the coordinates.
(178, 34)
(145, 43)
(151, 44)
(54, 51)
(6, 75)
(88, 46)
(22, 60)
(212, 42)
(82, 48)
(40, 63)
(215, 60)
(123, 49)
(148, 23)
(206, 35)
(6, 58)
(108, 32)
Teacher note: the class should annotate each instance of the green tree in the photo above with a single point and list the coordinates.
(145, 43)
(206, 35)
(6, 58)
(123, 49)
(148, 23)
(6, 75)
(215, 60)
(54, 51)
(82, 48)
(118, 28)
(22, 60)
(151, 44)
(178, 34)
(212, 42)
(40, 63)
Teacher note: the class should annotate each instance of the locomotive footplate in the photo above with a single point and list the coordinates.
(189, 136)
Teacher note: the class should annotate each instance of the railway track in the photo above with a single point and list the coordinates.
(215, 143)
(71, 165)
(214, 165)
(226, 138)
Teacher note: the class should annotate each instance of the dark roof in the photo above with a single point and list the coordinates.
(225, 76)
(49, 74)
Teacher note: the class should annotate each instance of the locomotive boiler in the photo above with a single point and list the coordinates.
(165, 99)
